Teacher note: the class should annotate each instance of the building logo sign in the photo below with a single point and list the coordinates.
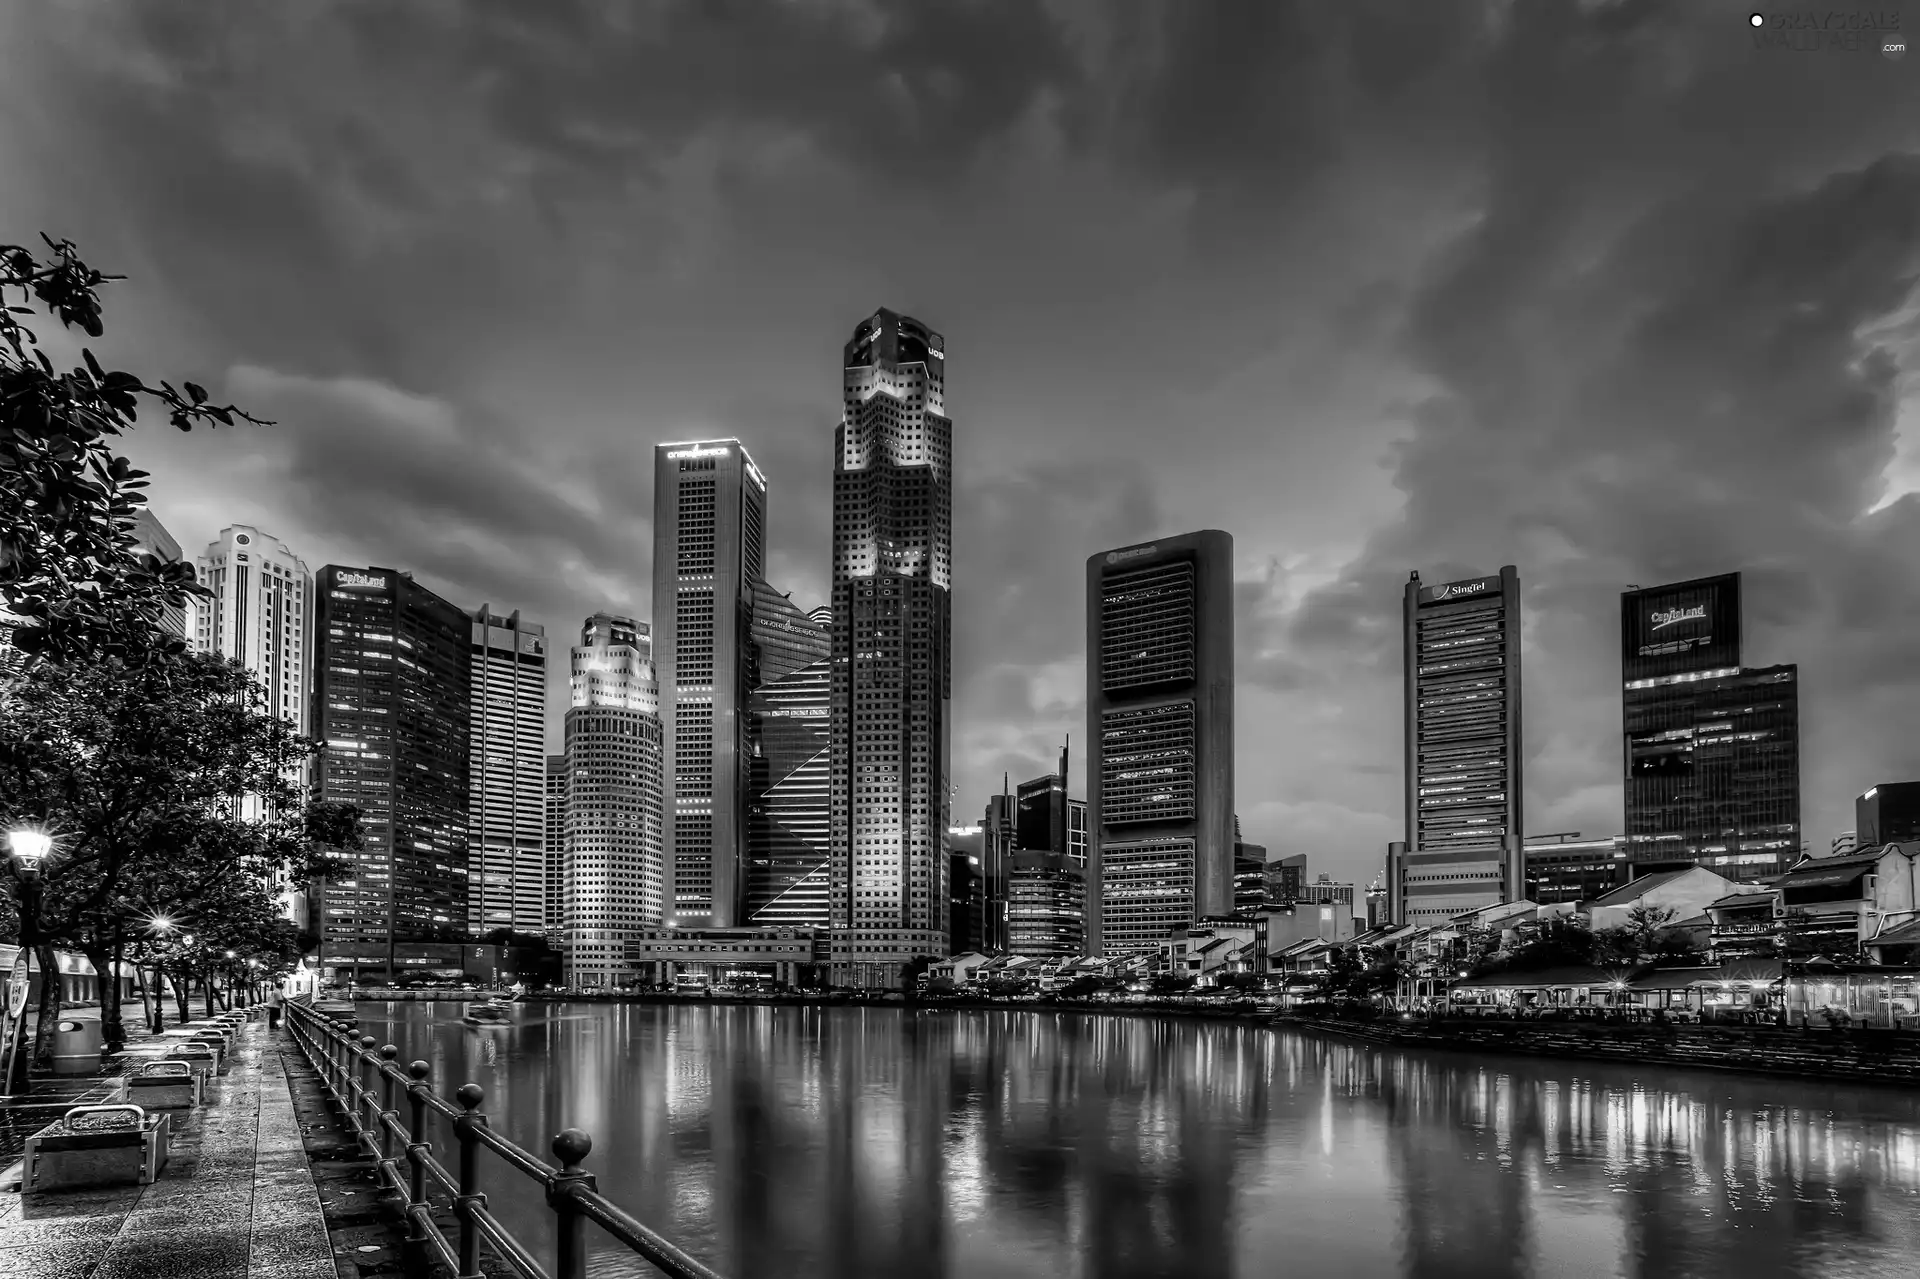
(375, 582)
(1459, 590)
(701, 450)
(1673, 617)
(1121, 557)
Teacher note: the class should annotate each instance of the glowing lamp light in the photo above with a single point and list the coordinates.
(30, 847)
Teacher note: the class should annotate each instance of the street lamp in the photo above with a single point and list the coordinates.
(29, 848)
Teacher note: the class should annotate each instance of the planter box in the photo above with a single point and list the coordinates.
(162, 1085)
(97, 1146)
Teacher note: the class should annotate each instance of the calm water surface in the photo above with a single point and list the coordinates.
(858, 1143)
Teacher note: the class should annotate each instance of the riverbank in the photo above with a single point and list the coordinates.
(1857, 1056)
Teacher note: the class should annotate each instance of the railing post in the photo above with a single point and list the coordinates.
(470, 1096)
(570, 1148)
(418, 1148)
(363, 1083)
(388, 1114)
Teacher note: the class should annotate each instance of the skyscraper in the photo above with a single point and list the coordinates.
(1160, 734)
(892, 572)
(614, 876)
(1463, 758)
(391, 701)
(150, 537)
(788, 716)
(1886, 814)
(1712, 749)
(556, 866)
(709, 522)
(507, 737)
(260, 614)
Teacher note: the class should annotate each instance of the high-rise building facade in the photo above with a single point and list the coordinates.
(891, 662)
(507, 739)
(614, 877)
(709, 548)
(150, 537)
(260, 614)
(1712, 748)
(1886, 814)
(1046, 906)
(966, 892)
(1567, 867)
(1160, 728)
(789, 715)
(556, 845)
(1464, 788)
(391, 695)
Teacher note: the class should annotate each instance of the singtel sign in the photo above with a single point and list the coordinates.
(1459, 590)
(716, 451)
(1121, 557)
(1663, 618)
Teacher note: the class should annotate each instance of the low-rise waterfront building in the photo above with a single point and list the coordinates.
(1682, 895)
(783, 956)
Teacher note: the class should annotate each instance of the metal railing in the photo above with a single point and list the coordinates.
(367, 1084)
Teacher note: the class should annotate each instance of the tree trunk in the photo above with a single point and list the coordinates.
(111, 1034)
(206, 991)
(182, 992)
(52, 1001)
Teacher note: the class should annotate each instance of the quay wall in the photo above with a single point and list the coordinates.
(1861, 1056)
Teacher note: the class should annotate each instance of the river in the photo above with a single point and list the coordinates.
(884, 1143)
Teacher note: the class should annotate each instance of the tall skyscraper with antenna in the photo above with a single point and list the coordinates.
(890, 673)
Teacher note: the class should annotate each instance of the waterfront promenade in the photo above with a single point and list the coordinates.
(236, 1200)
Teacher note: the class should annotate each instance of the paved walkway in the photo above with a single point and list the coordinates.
(235, 1201)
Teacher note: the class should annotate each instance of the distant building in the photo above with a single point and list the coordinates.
(614, 881)
(1843, 843)
(1046, 905)
(1160, 733)
(1887, 814)
(507, 745)
(150, 537)
(709, 548)
(999, 837)
(1569, 868)
(892, 572)
(1464, 784)
(966, 898)
(391, 697)
(1286, 877)
(556, 845)
(789, 746)
(1712, 749)
(1249, 878)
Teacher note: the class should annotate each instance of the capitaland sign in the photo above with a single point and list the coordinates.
(702, 450)
(1121, 557)
(1459, 590)
(1663, 618)
(371, 581)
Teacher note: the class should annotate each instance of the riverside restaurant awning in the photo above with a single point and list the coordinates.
(1567, 985)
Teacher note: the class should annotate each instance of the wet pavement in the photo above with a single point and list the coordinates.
(235, 1201)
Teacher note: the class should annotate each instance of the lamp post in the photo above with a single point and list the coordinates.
(29, 849)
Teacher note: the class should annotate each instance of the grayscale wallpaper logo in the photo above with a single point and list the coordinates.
(1830, 31)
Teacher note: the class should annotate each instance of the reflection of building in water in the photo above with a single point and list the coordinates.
(1451, 1136)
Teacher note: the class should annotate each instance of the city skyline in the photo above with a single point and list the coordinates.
(446, 412)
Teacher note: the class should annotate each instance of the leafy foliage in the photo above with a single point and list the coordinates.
(69, 567)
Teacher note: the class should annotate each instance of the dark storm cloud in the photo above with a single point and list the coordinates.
(484, 256)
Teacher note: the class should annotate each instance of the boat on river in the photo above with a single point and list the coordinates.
(492, 1012)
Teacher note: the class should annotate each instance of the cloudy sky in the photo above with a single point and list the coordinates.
(1598, 289)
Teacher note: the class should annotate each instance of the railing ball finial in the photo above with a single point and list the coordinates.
(419, 1070)
(367, 1042)
(388, 1052)
(571, 1148)
(470, 1095)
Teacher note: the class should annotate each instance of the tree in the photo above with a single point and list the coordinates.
(138, 769)
(1645, 921)
(69, 570)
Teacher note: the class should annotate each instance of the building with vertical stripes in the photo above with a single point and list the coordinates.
(1160, 734)
(507, 744)
(709, 547)
(614, 873)
(391, 702)
(260, 614)
(892, 566)
(789, 714)
(1464, 847)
